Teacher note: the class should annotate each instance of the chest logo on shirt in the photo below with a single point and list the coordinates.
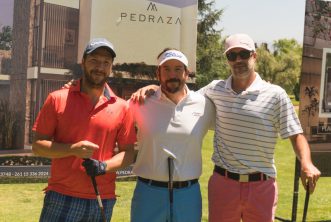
(109, 111)
(196, 114)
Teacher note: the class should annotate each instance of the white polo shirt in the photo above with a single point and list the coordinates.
(248, 125)
(177, 128)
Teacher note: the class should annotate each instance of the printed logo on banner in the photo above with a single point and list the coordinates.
(152, 18)
(151, 7)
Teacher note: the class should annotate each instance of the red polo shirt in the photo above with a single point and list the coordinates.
(68, 116)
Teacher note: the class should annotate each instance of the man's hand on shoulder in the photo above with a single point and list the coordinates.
(143, 93)
(72, 82)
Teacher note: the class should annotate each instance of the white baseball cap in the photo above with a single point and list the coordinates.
(239, 41)
(172, 54)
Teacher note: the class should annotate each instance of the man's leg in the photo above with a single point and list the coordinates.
(224, 199)
(95, 211)
(261, 201)
(149, 203)
(188, 204)
(58, 207)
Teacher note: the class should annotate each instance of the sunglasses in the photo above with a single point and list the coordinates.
(244, 54)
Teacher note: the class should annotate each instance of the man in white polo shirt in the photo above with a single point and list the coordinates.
(171, 123)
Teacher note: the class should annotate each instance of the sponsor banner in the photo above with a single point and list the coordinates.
(315, 82)
(141, 29)
(44, 172)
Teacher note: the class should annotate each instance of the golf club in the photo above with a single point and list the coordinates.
(170, 159)
(305, 209)
(95, 186)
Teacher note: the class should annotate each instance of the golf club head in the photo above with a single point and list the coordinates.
(169, 153)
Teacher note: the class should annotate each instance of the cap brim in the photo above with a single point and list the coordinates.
(242, 47)
(110, 50)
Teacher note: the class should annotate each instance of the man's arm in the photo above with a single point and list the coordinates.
(123, 159)
(309, 173)
(45, 147)
(141, 94)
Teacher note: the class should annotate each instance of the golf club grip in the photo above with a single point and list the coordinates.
(94, 182)
(97, 192)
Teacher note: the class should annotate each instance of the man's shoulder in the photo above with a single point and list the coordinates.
(120, 101)
(215, 83)
(199, 98)
(60, 93)
(273, 88)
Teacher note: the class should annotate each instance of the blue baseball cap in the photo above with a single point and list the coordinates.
(97, 43)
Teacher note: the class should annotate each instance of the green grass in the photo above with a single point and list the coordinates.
(23, 202)
(294, 102)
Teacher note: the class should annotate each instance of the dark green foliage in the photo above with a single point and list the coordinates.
(6, 38)
(24, 161)
(211, 63)
(282, 66)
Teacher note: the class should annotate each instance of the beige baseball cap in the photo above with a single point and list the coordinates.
(239, 41)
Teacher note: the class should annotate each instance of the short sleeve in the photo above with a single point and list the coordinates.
(46, 121)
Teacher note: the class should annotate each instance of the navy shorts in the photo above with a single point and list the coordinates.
(62, 208)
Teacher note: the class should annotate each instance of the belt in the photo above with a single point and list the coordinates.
(241, 177)
(176, 184)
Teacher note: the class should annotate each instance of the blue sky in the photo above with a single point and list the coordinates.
(263, 20)
(6, 10)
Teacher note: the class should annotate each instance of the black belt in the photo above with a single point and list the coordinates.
(176, 184)
(241, 177)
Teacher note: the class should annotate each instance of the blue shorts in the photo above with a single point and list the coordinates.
(151, 203)
(62, 208)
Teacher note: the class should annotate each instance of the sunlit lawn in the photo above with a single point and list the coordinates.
(23, 202)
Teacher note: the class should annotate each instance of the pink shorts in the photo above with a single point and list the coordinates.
(232, 201)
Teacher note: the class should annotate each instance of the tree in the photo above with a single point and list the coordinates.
(211, 63)
(6, 38)
(282, 67)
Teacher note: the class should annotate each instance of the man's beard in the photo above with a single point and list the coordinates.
(92, 82)
(168, 85)
(240, 68)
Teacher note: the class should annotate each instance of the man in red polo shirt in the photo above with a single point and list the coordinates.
(85, 121)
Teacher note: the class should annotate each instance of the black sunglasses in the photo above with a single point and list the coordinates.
(244, 54)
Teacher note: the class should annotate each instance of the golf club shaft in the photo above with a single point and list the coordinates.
(170, 186)
(94, 182)
(305, 209)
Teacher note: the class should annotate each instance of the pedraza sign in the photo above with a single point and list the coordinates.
(150, 18)
(140, 29)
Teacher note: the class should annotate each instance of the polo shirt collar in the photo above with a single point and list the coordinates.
(254, 87)
(107, 93)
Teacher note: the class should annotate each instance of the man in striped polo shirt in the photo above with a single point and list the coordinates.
(251, 113)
